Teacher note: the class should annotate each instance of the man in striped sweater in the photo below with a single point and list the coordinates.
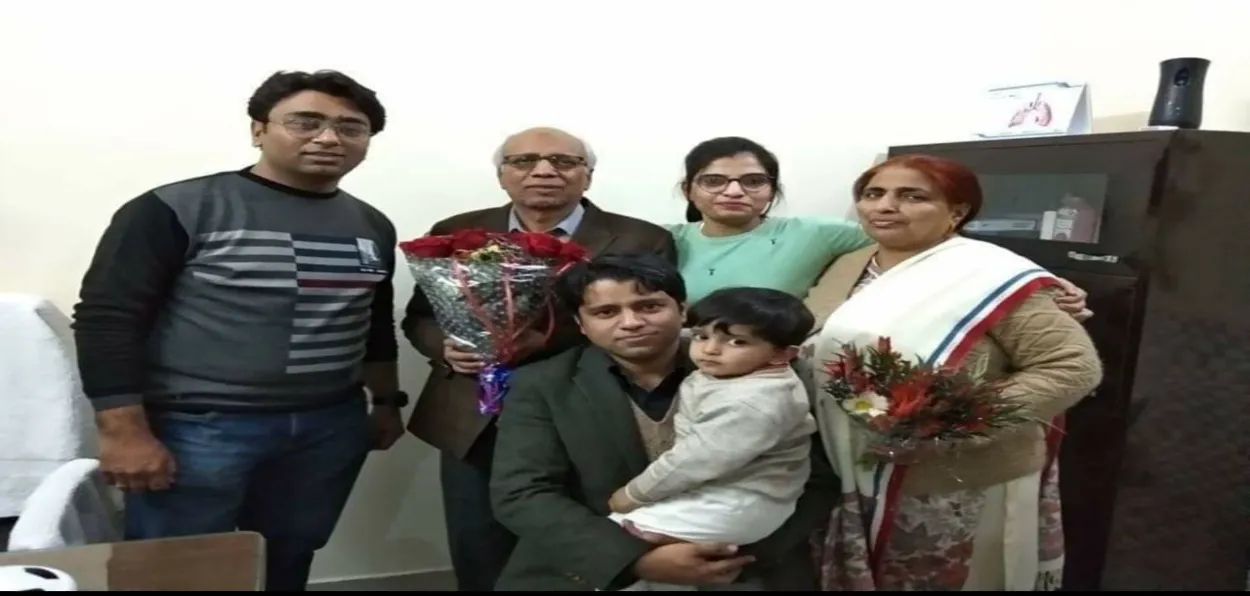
(228, 325)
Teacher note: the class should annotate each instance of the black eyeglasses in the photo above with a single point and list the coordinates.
(559, 161)
(310, 127)
(719, 182)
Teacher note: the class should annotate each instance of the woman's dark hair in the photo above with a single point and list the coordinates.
(711, 150)
(282, 85)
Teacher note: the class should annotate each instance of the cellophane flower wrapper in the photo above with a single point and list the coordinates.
(470, 299)
(487, 293)
(914, 411)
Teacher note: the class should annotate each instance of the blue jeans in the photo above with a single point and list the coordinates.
(284, 475)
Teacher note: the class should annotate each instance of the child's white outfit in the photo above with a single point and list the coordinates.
(738, 464)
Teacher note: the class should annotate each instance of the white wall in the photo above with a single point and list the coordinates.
(103, 100)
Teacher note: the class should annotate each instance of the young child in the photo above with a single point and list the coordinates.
(743, 427)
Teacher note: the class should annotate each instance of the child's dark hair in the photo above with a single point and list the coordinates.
(772, 315)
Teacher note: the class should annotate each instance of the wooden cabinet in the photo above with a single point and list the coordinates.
(1155, 467)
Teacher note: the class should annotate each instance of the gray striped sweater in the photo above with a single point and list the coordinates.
(233, 292)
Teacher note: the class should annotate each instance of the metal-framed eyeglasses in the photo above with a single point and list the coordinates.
(310, 127)
(719, 182)
(527, 161)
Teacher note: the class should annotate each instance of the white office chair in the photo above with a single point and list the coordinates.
(47, 420)
(71, 507)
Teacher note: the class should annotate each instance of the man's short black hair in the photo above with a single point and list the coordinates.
(772, 315)
(648, 271)
(284, 84)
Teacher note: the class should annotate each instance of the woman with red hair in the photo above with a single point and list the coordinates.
(982, 514)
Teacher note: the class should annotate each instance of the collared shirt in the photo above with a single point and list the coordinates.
(566, 227)
(655, 402)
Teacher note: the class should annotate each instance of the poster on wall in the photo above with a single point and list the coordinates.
(1037, 110)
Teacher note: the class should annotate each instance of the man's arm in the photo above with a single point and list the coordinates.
(381, 374)
(820, 494)
(136, 261)
(381, 371)
(381, 366)
(531, 497)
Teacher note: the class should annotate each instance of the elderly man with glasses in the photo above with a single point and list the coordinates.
(229, 324)
(545, 173)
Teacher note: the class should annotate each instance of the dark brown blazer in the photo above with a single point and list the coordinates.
(445, 414)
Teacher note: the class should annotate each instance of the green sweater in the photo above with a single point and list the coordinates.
(783, 253)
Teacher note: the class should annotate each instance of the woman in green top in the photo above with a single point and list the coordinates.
(731, 183)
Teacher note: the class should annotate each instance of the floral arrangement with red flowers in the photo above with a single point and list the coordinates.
(487, 289)
(912, 406)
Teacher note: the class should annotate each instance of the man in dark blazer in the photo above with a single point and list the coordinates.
(545, 173)
(573, 433)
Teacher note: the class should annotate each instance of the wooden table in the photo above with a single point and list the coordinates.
(233, 562)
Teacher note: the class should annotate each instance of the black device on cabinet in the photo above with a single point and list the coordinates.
(1155, 465)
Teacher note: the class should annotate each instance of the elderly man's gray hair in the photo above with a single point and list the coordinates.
(591, 160)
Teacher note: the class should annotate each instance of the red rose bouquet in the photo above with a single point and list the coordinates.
(487, 289)
(915, 406)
